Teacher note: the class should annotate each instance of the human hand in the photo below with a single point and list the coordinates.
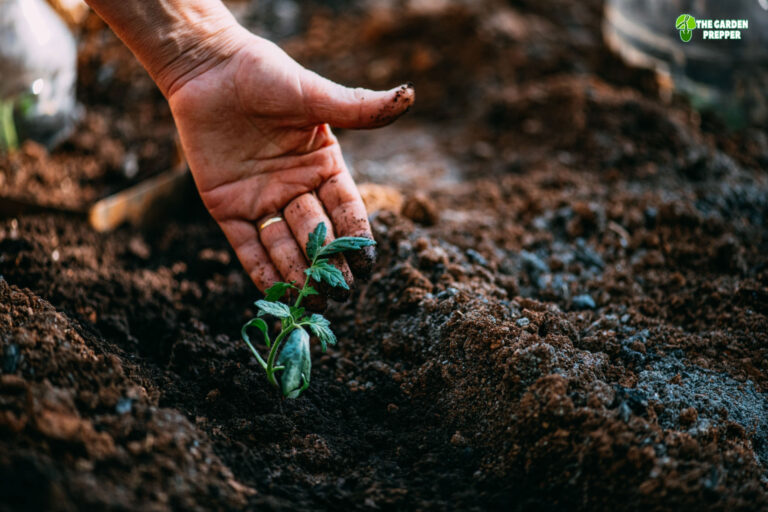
(255, 131)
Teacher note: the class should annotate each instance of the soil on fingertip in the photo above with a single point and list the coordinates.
(569, 310)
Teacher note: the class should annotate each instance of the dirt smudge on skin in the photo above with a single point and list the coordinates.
(388, 114)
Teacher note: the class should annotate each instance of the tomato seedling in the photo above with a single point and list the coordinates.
(294, 359)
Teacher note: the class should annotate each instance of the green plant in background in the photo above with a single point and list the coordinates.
(294, 359)
(20, 105)
(9, 140)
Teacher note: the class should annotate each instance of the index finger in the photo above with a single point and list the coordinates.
(346, 210)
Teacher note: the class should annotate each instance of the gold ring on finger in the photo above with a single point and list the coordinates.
(269, 222)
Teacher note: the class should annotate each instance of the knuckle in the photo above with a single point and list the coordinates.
(284, 245)
(326, 159)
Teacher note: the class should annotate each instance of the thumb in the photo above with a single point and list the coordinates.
(344, 107)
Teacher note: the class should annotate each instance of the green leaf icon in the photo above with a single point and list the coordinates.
(685, 23)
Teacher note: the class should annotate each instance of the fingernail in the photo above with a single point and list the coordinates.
(403, 89)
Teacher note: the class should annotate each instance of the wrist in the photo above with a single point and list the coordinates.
(194, 48)
(175, 40)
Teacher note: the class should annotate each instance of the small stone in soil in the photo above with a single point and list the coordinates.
(584, 301)
(11, 356)
(476, 257)
(588, 255)
(522, 322)
(448, 292)
(651, 214)
(533, 264)
(124, 406)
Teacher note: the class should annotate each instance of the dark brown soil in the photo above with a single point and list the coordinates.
(577, 321)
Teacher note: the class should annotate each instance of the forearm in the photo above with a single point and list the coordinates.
(174, 40)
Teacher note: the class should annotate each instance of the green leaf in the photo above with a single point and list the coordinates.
(262, 326)
(309, 290)
(277, 309)
(322, 271)
(316, 240)
(321, 328)
(297, 362)
(297, 313)
(276, 291)
(346, 243)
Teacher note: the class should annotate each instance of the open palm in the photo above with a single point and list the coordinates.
(255, 130)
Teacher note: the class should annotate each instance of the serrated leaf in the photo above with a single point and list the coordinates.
(346, 243)
(316, 240)
(322, 271)
(277, 291)
(321, 328)
(297, 362)
(277, 309)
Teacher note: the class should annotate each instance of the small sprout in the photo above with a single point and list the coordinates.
(294, 359)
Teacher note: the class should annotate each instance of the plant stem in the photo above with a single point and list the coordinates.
(301, 293)
(256, 353)
(8, 135)
(273, 353)
(285, 331)
(306, 283)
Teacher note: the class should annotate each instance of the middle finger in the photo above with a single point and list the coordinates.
(283, 250)
(303, 215)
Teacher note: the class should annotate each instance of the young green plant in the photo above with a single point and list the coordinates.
(294, 360)
(9, 141)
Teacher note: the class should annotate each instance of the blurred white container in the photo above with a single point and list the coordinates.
(38, 69)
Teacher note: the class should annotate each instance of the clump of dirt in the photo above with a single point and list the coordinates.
(75, 424)
(576, 321)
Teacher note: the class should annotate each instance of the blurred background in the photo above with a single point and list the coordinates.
(501, 86)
